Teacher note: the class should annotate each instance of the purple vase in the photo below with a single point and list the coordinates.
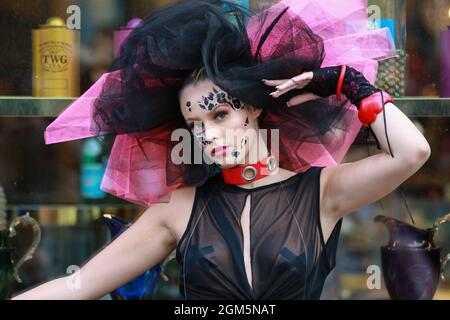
(411, 261)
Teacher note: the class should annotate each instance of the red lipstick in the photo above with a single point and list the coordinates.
(219, 150)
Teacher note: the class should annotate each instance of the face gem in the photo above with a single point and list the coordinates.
(236, 103)
(218, 96)
(189, 106)
(235, 154)
(200, 137)
(222, 97)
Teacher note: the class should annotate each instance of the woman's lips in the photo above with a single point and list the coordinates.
(218, 151)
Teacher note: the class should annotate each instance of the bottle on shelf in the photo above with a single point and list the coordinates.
(56, 61)
(93, 163)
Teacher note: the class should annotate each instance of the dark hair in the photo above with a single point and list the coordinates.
(195, 76)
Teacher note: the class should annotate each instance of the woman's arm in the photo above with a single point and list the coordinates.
(147, 242)
(348, 187)
(351, 186)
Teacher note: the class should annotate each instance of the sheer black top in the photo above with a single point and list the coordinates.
(289, 258)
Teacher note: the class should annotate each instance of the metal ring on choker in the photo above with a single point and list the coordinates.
(271, 163)
(246, 169)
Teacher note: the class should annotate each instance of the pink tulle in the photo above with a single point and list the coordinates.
(342, 25)
(344, 28)
(140, 185)
(76, 121)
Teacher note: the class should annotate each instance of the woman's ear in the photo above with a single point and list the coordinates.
(253, 111)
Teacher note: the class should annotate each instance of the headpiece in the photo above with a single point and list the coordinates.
(137, 100)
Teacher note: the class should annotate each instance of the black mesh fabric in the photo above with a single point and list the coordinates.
(289, 257)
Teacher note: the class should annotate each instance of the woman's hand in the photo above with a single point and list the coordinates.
(297, 82)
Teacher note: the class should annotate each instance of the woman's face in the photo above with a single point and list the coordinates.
(217, 120)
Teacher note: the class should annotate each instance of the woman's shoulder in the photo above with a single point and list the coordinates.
(181, 197)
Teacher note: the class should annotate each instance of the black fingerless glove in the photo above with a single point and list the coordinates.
(355, 86)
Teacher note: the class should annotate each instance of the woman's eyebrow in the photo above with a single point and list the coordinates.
(215, 107)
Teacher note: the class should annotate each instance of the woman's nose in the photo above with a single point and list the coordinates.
(211, 133)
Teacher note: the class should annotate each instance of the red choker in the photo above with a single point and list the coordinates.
(250, 172)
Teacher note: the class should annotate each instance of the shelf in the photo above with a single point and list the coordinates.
(424, 106)
(52, 107)
(33, 107)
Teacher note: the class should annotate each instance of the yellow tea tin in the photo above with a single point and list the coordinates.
(56, 60)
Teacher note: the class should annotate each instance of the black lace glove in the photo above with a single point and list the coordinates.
(355, 86)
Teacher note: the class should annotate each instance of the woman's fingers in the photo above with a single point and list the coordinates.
(279, 92)
(274, 83)
(278, 84)
(285, 85)
(301, 98)
(290, 84)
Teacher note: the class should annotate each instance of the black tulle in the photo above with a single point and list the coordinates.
(141, 96)
(172, 42)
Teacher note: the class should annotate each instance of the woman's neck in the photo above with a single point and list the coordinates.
(260, 152)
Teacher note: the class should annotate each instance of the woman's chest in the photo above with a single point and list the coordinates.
(251, 231)
(251, 217)
(255, 253)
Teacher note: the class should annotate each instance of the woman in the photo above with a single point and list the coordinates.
(254, 218)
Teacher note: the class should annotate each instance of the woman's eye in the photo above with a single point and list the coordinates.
(221, 115)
